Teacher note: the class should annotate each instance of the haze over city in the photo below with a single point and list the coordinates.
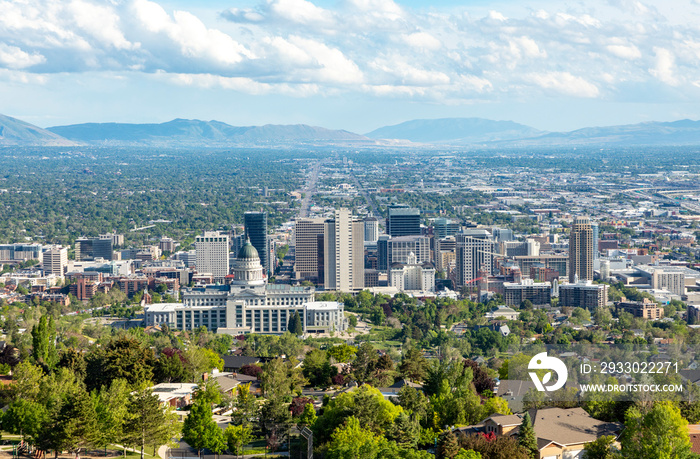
(354, 64)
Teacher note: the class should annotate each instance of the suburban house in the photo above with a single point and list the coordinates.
(561, 433)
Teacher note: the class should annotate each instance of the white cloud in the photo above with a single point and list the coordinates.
(422, 40)
(565, 83)
(14, 58)
(630, 52)
(372, 46)
(301, 11)
(664, 68)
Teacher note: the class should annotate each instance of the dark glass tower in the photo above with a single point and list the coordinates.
(256, 230)
(403, 221)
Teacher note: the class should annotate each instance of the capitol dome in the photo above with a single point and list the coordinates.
(248, 252)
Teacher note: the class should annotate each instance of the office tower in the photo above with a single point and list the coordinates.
(90, 248)
(401, 247)
(344, 252)
(306, 232)
(581, 250)
(256, 231)
(55, 260)
(371, 229)
(403, 221)
(503, 234)
(596, 235)
(383, 252)
(475, 249)
(211, 248)
(444, 252)
(237, 241)
(445, 227)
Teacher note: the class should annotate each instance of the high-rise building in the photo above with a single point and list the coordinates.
(581, 250)
(503, 234)
(90, 248)
(371, 229)
(596, 235)
(445, 227)
(55, 260)
(383, 252)
(256, 231)
(344, 252)
(306, 232)
(403, 221)
(211, 248)
(400, 248)
(474, 252)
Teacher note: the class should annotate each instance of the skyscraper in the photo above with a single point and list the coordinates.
(403, 221)
(596, 236)
(89, 248)
(581, 250)
(256, 230)
(344, 267)
(211, 248)
(306, 231)
(55, 260)
(475, 249)
(445, 227)
(371, 229)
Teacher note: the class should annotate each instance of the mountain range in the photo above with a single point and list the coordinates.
(460, 132)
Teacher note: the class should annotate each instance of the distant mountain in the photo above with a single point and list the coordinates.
(181, 132)
(461, 131)
(682, 132)
(14, 132)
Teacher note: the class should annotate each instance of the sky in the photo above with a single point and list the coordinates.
(350, 64)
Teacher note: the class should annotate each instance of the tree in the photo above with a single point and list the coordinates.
(527, 438)
(600, 448)
(448, 447)
(307, 417)
(122, 358)
(148, 423)
(317, 369)
(467, 454)
(199, 429)
(237, 436)
(25, 382)
(342, 353)
(25, 418)
(661, 432)
(351, 441)
(413, 366)
(112, 409)
(74, 427)
(244, 406)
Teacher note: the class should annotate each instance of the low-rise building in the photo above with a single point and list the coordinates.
(645, 309)
(583, 295)
(538, 293)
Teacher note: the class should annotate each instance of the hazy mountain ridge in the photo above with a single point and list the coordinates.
(460, 131)
(436, 132)
(14, 132)
(181, 132)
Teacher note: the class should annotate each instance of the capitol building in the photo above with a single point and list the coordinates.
(248, 304)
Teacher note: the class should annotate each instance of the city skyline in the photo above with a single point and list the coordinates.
(546, 64)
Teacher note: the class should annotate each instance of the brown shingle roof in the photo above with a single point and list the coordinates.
(566, 427)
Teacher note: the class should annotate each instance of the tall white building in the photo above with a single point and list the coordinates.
(211, 249)
(344, 249)
(55, 260)
(371, 230)
(474, 252)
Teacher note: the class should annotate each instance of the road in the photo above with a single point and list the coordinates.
(363, 192)
(310, 189)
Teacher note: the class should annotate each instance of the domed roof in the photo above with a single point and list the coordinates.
(248, 251)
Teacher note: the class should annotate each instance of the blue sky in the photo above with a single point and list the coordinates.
(350, 64)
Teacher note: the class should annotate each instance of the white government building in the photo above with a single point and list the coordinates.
(248, 304)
